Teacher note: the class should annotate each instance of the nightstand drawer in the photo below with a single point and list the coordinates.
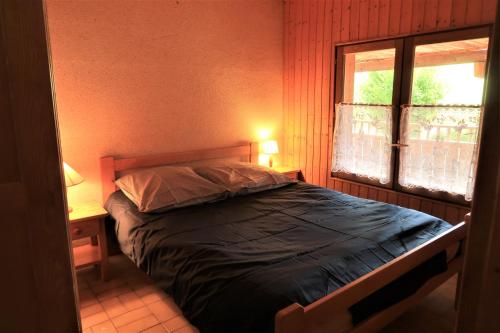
(84, 229)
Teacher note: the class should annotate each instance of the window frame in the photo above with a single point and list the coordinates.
(398, 45)
(403, 81)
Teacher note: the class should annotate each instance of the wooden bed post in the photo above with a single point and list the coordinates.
(107, 177)
(290, 320)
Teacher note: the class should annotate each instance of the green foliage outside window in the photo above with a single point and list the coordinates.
(377, 89)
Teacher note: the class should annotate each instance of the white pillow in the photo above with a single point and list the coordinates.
(243, 178)
(167, 187)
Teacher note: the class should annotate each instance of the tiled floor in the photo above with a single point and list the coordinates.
(129, 302)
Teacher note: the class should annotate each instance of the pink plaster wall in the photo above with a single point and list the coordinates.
(139, 77)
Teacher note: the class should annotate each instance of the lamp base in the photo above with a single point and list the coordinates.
(270, 162)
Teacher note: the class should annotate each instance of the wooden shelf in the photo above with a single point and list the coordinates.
(86, 255)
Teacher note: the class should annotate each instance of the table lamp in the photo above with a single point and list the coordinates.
(71, 178)
(270, 148)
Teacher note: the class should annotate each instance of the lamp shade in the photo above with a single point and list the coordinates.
(71, 177)
(270, 147)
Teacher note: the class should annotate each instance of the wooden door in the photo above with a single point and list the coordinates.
(480, 296)
(36, 284)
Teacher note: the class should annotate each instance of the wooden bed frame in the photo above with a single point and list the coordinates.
(330, 313)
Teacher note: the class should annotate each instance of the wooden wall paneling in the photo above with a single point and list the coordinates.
(372, 193)
(292, 85)
(291, 74)
(346, 188)
(414, 203)
(406, 16)
(326, 88)
(417, 18)
(286, 81)
(458, 12)
(309, 143)
(444, 14)
(364, 11)
(488, 11)
(298, 82)
(381, 196)
(354, 20)
(392, 198)
(452, 214)
(439, 210)
(431, 14)
(320, 23)
(311, 46)
(474, 11)
(363, 192)
(403, 200)
(304, 88)
(426, 206)
(384, 12)
(373, 19)
(355, 189)
(345, 19)
(394, 17)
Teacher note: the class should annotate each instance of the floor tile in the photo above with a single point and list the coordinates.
(114, 307)
(131, 301)
(90, 310)
(139, 325)
(175, 323)
(104, 327)
(94, 319)
(135, 304)
(131, 316)
(155, 329)
(164, 309)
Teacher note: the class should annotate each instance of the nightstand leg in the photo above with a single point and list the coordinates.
(103, 243)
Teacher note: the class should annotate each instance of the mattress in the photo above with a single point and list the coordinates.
(235, 263)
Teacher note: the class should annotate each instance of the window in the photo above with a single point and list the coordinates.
(408, 112)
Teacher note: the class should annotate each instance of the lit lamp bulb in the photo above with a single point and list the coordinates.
(71, 178)
(270, 148)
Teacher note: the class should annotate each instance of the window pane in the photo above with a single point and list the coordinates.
(362, 140)
(369, 77)
(441, 148)
(449, 73)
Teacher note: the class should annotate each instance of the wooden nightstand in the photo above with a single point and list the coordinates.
(87, 221)
(292, 173)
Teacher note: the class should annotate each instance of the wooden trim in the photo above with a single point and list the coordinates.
(413, 34)
(38, 285)
(320, 315)
(480, 287)
(111, 166)
(396, 44)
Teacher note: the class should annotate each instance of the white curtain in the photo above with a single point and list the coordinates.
(362, 139)
(442, 148)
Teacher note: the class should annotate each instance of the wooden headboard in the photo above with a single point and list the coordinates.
(111, 166)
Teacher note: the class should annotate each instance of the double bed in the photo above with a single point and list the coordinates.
(299, 258)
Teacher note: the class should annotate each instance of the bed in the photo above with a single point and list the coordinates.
(296, 259)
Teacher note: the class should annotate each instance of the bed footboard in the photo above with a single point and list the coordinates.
(325, 314)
